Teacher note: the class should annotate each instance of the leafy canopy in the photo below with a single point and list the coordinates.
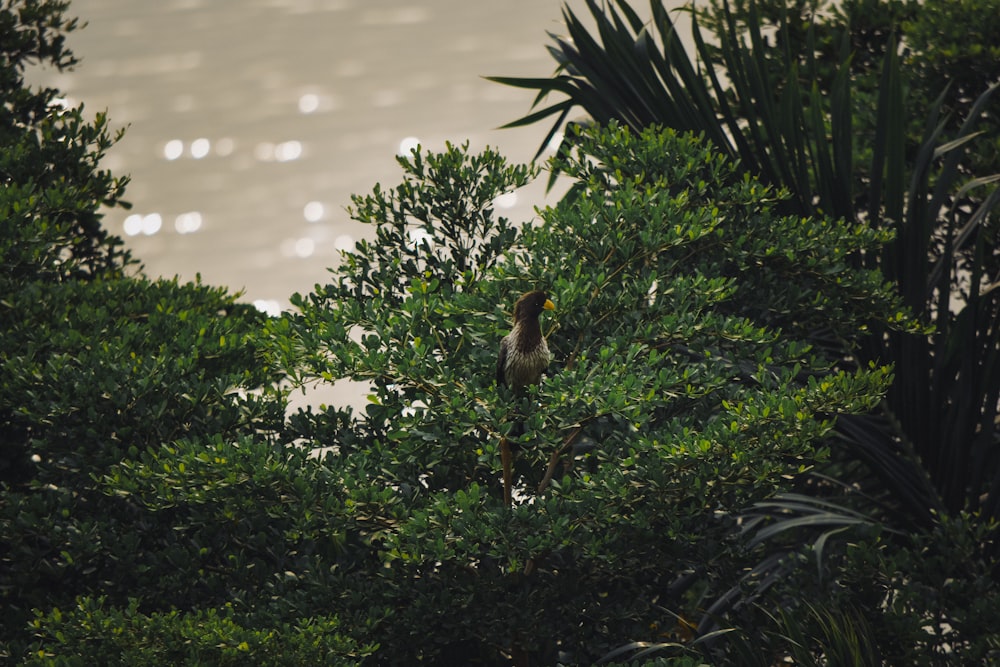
(687, 375)
(53, 185)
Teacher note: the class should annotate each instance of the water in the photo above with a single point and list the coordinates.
(251, 122)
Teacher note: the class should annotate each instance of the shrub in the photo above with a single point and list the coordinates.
(91, 634)
(53, 186)
(684, 387)
(105, 374)
(956, 44)
(845, 107)
(86, 364)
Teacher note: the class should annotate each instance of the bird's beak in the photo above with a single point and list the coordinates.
(548, 305)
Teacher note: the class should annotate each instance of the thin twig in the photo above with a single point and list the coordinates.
(554, 459)
(505, 460)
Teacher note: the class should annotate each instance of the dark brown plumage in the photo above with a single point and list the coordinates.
(523, 356)
(523, 352)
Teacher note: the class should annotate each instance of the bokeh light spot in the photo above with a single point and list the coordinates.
(200, 148)
(313, 211)
(188, 223)
(151, 223)
(288, 151)
(269, 306)
(408, 145)
(506, 200)
(173, 149)
(309, 103)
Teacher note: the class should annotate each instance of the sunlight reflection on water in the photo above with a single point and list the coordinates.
(251, 122)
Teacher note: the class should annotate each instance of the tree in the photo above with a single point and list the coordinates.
(53, 185)
(682, 390)
(160, 506)
(796, 94)
(104, 373)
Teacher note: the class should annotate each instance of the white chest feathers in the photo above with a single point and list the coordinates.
(524, 357)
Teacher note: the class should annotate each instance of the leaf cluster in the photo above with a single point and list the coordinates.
(95, 339)
(836, 105)
(954, 48)
(218, 637)
(97, 377)
(684, 376)
(53, 185)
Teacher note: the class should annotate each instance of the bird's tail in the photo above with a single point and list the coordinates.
(507, 461)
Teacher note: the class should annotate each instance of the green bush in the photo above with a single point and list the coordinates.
(159, 506)
(86, 364)
(955, 44)
(100, 372)
(91, 634)
(155, 474)
(105, 374)
(683, 388)
(955, 48)
(844, 105)
(53, 186)
(927, 600)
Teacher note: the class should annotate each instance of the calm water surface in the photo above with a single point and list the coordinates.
(251, 122)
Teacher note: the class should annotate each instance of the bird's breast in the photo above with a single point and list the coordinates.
(525, 363)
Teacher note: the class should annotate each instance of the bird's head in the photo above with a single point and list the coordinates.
(531, 305)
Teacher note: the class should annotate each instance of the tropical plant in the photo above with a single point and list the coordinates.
(680, 381)
(798, 113)
(955, 45)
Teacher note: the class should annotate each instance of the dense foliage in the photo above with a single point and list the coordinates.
(683, 389)
(711, 343)
(954, 46)
(53, 186)
(877, 112)
(136, 419)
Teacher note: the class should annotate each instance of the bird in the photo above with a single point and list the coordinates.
(524, 354)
